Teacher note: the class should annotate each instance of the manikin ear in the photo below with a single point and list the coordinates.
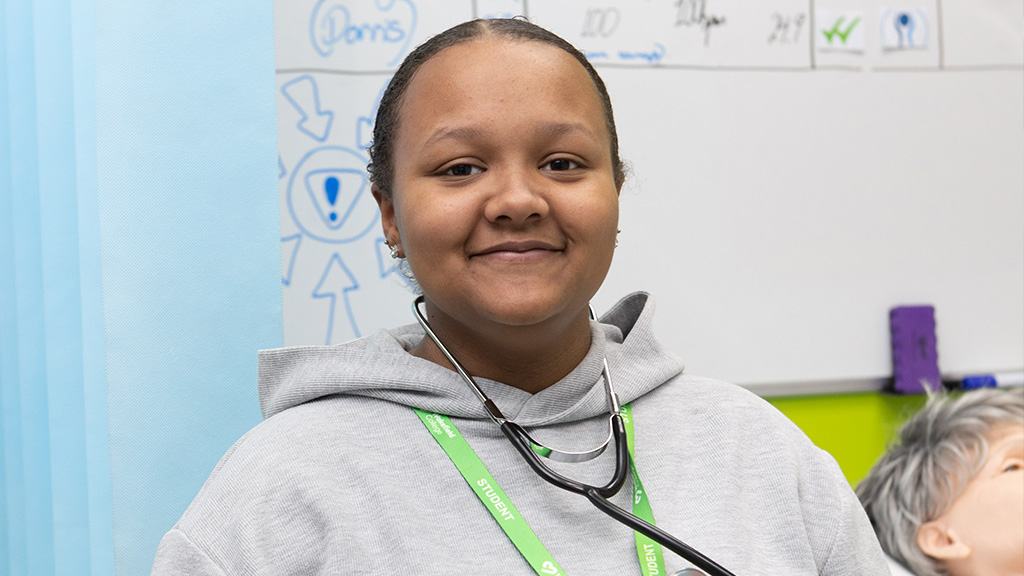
(387, 216)
(938, 540)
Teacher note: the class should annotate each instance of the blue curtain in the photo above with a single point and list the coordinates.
(139, 267)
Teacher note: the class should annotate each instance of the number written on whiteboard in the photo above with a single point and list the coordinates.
(600, 22)
(786, 29)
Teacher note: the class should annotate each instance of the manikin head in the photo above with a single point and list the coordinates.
(948, 500)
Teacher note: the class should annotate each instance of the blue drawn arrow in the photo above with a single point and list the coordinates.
(388, 265)
(385, 264)
(280, 168)
(337, 280)
(295, 240)
(364, 132)
(364, 126)
(302, 94)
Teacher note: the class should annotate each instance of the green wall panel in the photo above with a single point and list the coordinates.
(854, 428)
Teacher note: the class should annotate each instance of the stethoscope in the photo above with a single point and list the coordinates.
(531, 450)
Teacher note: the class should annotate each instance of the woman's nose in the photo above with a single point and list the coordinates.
(518, 197)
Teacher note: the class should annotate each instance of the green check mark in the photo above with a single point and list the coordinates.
(843, 34)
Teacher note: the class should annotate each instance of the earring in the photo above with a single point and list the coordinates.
(617, 232)
(394, 250)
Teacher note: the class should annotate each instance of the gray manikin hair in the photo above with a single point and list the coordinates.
(940, 449)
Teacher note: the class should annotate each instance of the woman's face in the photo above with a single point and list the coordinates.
(504, 200)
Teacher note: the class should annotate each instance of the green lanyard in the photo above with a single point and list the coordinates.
(648, 552)
(508, 517)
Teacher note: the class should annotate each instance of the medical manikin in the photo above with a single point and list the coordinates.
(949, 498)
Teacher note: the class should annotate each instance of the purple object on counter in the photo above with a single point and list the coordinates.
(915, 358)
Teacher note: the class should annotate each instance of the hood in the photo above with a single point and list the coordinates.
(379, 366)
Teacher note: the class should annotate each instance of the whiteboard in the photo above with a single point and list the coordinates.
(797, 169)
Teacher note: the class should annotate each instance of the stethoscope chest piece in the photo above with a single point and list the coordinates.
(688, 572)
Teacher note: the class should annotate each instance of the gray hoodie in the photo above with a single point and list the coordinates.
(343, 478)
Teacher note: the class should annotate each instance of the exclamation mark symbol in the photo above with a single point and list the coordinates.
(331, 189)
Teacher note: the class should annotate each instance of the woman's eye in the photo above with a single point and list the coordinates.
(463, 170)
(560, 164)
(1012, 467)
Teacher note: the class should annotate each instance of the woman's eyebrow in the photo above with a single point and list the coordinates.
(467, 133)
(461, 133)
(552, 129)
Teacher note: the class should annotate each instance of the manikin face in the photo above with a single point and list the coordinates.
(987, 519)
(504, 201)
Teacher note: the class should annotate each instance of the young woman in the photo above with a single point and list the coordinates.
(495, 164)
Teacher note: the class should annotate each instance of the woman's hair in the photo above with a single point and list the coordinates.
(940, 449)
(385, 129)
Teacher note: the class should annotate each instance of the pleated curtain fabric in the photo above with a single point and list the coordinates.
(139, 267)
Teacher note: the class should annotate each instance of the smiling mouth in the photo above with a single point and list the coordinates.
(519, 251)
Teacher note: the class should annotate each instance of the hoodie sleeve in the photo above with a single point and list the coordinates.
(853, 549)
(178, 555)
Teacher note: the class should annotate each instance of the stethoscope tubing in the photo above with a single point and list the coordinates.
(517, 436)
(667, 540)
(599, 496)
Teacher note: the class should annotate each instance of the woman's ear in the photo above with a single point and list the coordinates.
(387, 215)
(938, 540)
